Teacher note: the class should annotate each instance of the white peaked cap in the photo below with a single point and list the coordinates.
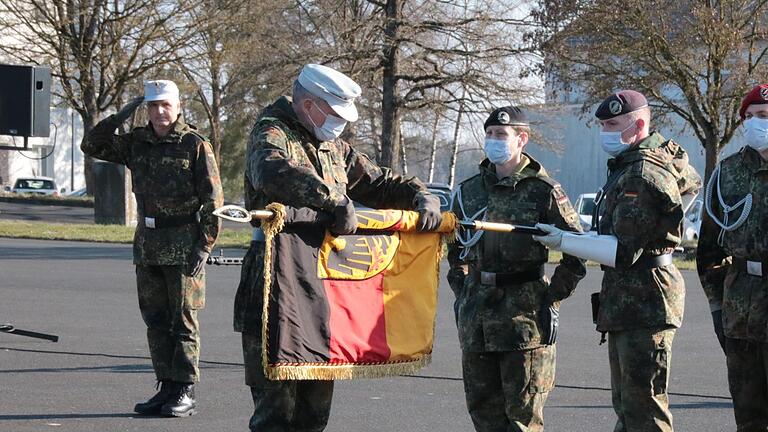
(332, 86)
(160, 90)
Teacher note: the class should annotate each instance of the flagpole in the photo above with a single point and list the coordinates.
(236, 213)
(501, 227)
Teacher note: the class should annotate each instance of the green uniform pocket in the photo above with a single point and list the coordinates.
(194, 291)
(542, 363)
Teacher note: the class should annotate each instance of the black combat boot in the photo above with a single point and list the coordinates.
(154, 404)
(182, 402)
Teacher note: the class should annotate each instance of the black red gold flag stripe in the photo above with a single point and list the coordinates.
(353, 306)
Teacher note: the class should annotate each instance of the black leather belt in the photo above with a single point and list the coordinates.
(170, 221)
(752, 268)
(517, 278)
(646, 262)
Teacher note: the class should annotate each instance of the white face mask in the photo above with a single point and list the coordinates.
(756, 133)
(613, 144)
(331, 128)
(498, 151)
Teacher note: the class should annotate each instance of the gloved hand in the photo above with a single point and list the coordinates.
(428, 206)
(345, 218)
(553, 238)
(197, 261)
(128, 110)
(717, 320)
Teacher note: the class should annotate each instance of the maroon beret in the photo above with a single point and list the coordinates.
(620, 103)
(756, 96)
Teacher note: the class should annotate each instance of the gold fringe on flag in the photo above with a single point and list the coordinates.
(330, 371)
(271, 227)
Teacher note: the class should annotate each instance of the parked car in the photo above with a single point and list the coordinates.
(78, 193)
(35, 185)
(585, 207)
(443, 192)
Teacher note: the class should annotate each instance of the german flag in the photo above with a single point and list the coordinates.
(353, 306)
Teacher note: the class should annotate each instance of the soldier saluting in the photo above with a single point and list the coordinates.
(177, 187)
(642, 298)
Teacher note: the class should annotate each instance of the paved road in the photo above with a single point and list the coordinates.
(90, 380)
(63, 214)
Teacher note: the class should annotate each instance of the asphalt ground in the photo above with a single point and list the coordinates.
(89, 381)
(64, 214)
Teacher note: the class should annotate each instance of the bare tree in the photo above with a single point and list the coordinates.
(97, 49)
(415, 56)
(693, 58)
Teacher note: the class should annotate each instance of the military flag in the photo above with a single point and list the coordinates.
(352, 306)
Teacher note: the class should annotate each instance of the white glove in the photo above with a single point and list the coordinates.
(554, 236)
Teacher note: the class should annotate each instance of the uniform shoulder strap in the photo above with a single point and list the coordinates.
(192, 137)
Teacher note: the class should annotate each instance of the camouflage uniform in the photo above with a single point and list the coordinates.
(742, 296)
(287, 164)
(508, 370)
(641, 301)
(175, 180)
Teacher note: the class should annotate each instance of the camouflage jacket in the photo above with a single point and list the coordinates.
(641, 205)
(172, 176)
(742, 297)
(285, 163)
(507, 317)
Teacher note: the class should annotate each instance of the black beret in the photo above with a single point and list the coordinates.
(620, 103)
(506, 116)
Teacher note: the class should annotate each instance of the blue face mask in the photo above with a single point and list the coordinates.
(756, 132)
(612, 142)
(331, 128)
(497, 151)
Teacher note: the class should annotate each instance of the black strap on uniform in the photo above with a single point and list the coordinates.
(613, 178)
(191, 137)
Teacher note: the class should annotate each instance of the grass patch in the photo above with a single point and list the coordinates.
(683, 262)
(100, 233)
(86, 201)
(124, 234)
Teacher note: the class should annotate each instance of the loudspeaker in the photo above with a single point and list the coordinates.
(25, 100)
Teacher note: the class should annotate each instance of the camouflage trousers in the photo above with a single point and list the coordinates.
(284, 406)
(169, 301)
(748, 381)
(506, 391)
(640, 361)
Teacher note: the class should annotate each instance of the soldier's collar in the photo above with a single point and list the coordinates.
(753, 159)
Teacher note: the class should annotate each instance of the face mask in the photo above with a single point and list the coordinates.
(498, 151)
(756, 133)
(612, 142)
(331, 128)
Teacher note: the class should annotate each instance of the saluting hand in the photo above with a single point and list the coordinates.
(129, 108)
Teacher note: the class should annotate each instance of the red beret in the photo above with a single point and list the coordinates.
(756, 96)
